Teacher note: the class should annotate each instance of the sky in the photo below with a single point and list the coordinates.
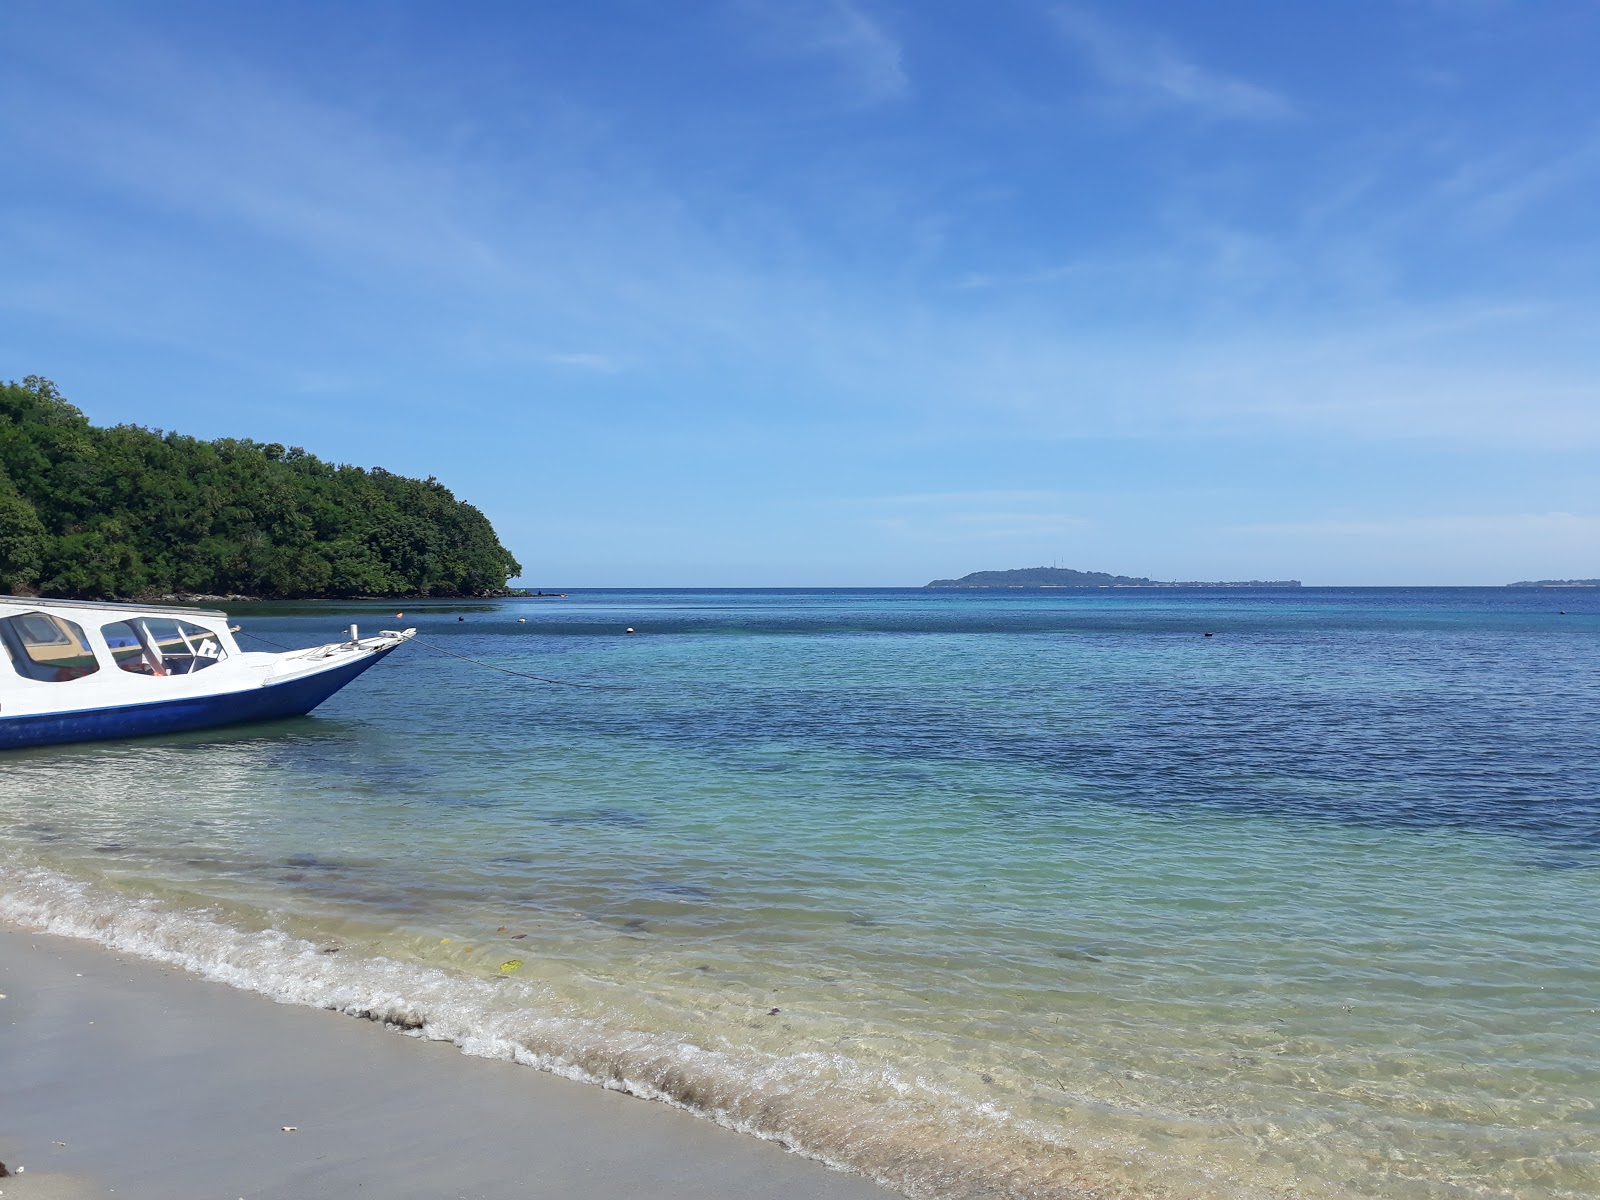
(847, 292)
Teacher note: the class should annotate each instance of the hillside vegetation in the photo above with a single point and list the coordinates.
(90, 512)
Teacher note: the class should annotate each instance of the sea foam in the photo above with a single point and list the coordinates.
(871, 1121)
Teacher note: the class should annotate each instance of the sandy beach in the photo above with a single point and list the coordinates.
(122, 1077)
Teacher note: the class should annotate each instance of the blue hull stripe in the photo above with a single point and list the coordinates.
(291, 699)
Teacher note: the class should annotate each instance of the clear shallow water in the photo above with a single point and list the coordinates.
(1052, 895)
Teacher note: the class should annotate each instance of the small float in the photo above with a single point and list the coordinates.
(79, 671)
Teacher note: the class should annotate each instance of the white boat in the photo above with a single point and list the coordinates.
(78, 670)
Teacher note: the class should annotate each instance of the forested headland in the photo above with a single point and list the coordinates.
(128, 512)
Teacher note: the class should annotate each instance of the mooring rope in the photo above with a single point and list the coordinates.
(267, 640)
(595, 687)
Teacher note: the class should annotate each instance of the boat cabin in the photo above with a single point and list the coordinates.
(58, 641)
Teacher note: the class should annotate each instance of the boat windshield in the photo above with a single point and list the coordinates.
(161, 646)
(46, 647)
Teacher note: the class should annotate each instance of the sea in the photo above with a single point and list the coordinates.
(1023, 893)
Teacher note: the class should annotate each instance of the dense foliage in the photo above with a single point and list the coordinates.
(126, 512)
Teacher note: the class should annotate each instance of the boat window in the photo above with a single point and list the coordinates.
(158, 646)
(48, 648)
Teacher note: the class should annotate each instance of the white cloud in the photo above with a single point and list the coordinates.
(949, 499)
(537, 263)
(1010, 520)
(1575, 529)
(867, 59)
(335, 383)
(1145, 67)
(588, 362)
(1449, 549)
(872, 57)
(1523, 184)
(480, 248)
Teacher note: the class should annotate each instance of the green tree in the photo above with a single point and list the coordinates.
(129, 511)
(23, 539)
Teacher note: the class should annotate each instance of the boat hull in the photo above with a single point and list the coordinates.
(291, 698)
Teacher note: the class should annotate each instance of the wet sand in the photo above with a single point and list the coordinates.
(122, 1077)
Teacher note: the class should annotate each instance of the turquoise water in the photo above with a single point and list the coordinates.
(989, 894)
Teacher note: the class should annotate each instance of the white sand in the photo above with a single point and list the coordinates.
(166, 1087)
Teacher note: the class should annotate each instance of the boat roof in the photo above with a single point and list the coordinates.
(35, 602)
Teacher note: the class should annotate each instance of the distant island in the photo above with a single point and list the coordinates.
(1556, 583)
(1065, 577)
(94, 513)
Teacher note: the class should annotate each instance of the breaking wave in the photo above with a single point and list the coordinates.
(897, 1129)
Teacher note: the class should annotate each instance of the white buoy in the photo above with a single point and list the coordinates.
(522, 620)
(629, 629)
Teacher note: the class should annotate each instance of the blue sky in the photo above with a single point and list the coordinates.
(848, 292)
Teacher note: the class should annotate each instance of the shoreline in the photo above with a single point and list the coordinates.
(197, 598)
(163, 1086)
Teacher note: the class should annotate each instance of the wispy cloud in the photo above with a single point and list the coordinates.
(551, 262)
(983, 497)
(1474, 548)
(867, 58)
(479, 250)
(1575, 528)
(1522, 184)
(1007, 519)
(604, 364)
(335, 383)
(1401, 377)
(1146, 67)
